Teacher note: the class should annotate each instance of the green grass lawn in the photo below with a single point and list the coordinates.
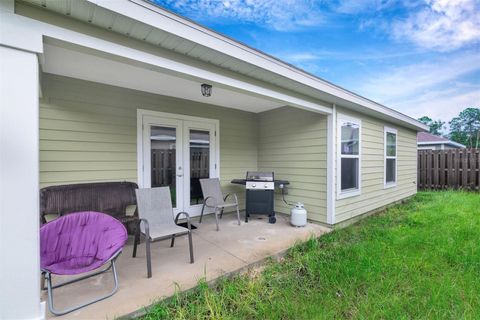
(416, 260)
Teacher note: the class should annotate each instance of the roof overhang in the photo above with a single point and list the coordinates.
(147, 22)
(163, 19)
(75, 38)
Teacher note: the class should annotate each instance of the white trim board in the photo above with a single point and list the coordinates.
(331, 156)
(385, 157)
(19, 186)
(358, 191)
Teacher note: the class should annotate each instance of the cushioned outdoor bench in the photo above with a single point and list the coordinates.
(111, 198)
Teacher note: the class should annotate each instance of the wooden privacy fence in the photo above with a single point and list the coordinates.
(199, 163)
(449, 169)
(163, 166)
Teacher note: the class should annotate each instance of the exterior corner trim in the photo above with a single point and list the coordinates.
(331, 156)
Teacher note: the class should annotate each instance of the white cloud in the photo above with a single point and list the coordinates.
(433, 88)
(443, 25)
(281, 15)
(299, 57)
(442, 104)
(395, 83)
(305, 60)
(360, 6)
(438, 87)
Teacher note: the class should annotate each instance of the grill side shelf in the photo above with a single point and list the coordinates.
(244, 182)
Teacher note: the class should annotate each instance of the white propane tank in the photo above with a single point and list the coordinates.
(298, 217)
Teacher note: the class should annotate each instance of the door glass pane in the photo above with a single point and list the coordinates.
(349, 174)
(391, 144)
(199, 142)
(390, 174)
(163, 153)
(350, 137)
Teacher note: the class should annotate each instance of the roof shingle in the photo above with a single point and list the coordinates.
(428, 137)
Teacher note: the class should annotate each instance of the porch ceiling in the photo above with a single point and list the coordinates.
(99, 67)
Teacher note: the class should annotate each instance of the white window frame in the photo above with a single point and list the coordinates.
(386, 184)
(341, 118)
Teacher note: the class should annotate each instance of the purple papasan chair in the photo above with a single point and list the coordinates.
(77, 243)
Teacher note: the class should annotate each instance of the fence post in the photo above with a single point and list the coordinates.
(472, 170)
(419, 169)
(464, 154)
(450, 167)
(436, 169)
(429, 169)
(442, 169)
(424, 170)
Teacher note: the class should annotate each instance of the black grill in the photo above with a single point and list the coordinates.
(260, 188)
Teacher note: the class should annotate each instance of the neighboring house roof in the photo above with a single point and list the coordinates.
(145, 21)
(425, 138)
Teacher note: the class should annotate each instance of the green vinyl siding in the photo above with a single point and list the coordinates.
(88, 132)
(292, 143)
(373, 194)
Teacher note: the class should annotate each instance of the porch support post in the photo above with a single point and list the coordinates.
(19, 186)
(331, 164)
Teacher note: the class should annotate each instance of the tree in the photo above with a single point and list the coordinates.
(436, 126)
(465, 128)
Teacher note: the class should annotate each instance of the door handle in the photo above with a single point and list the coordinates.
(179, 175)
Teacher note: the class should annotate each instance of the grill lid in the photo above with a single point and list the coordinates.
(259, 176)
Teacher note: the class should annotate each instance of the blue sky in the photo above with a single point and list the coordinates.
(421, 57)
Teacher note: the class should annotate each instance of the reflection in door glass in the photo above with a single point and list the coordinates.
(163, 152)
(199, 142)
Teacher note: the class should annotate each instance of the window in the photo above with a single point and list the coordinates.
(390, 157)
(348, 175)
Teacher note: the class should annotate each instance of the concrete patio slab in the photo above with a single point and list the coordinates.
(216, 253)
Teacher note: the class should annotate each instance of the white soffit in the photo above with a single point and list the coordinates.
(144, 21)
(90, 67)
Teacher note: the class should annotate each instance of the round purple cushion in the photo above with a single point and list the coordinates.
(80, 242)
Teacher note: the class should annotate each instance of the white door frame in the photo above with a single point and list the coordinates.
(195, 210)
(143, 114)
(179, 153)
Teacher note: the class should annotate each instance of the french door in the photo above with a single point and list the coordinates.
(177, 153)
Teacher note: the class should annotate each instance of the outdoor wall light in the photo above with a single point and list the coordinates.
(206, 90)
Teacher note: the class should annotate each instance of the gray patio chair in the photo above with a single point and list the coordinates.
(213, 198)
(157, 221)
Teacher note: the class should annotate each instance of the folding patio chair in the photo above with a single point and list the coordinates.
(78, 243)
(157, 221)
(213, 198)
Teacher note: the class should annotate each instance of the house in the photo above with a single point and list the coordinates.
(90, 87)
(428, 141)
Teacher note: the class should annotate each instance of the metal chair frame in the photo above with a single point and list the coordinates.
(219, 208)
(149, 240)
(48, 278)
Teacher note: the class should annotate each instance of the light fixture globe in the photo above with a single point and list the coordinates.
(206, 90)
